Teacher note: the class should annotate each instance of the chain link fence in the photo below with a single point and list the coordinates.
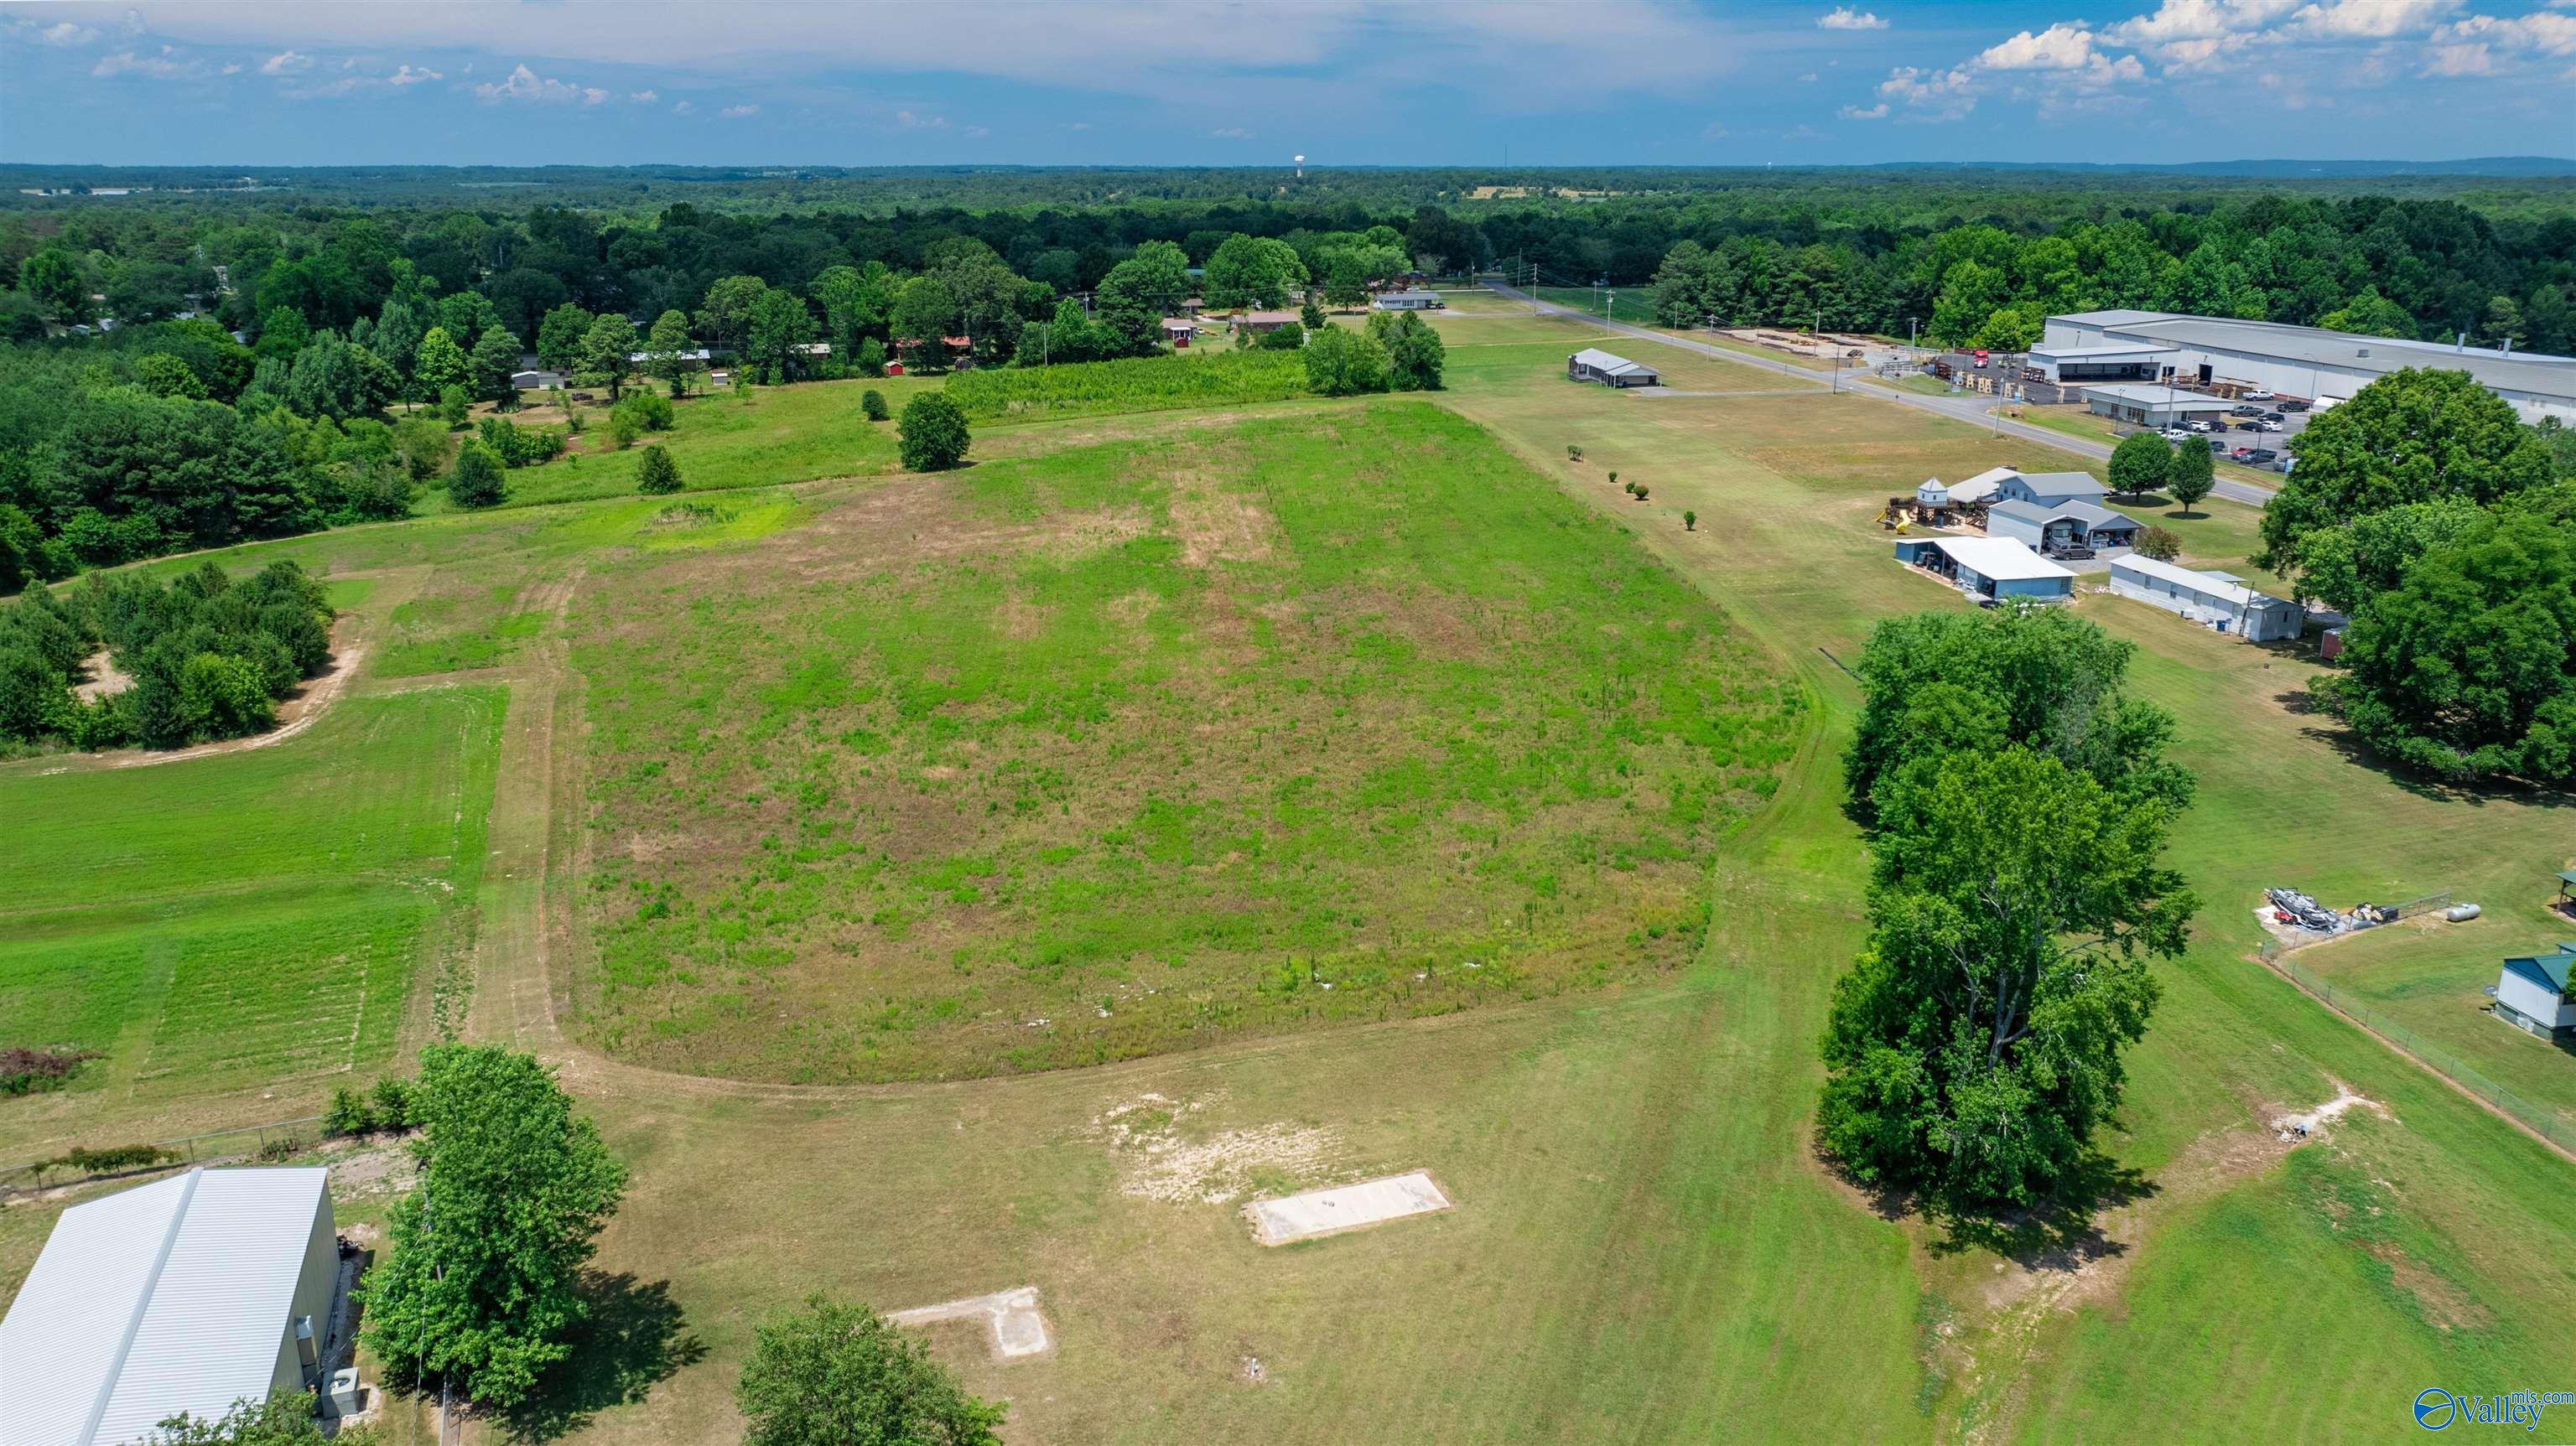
(217, 1147)
(2539, 1119)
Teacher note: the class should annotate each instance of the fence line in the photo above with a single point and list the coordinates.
(190, 1150)
(2546, 1123)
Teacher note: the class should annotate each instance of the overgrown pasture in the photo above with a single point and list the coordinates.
(1149, 383)
(1138, 745)
(239, 921)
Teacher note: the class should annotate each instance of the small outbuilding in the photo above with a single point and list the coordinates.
(1989, 569)
(537, 381)
(187, 1294)
(2216, 598)
(1180, 331)
(1261, 323)
(1409, 300)
(2068, 527)
(2535, 994)
(2153, 406)
(1594, 365)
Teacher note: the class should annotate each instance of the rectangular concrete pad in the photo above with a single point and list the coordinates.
(1018, 1329)
(1346, 1207)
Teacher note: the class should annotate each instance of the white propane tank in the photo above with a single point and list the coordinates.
(2460, 913)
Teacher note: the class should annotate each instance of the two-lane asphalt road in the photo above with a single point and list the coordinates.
(1971, 410)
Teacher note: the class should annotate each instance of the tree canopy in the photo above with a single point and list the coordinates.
(2414, 435)
(2033, 677)
(478, 1287)
(1974, 1049)
(839, 1375)
(932, 435)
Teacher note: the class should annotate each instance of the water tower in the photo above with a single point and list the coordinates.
(1301, 168)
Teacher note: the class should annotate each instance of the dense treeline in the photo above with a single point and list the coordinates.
(272, 369)
(2417, 269)
(207, 656)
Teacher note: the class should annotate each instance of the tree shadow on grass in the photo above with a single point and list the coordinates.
(2058, 1234)
(633, 1341)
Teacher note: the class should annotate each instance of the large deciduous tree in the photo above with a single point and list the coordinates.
(2466, 668)
(2142, 463)
(608, 351)
(839, 1375)
(2191, 474)
(1415, 355)
(1252, 271)
(666, 351)
(479, 1286)
(2032, 677)
(439, 363)
(1138, 293)
(1341, 362)
(2414, 435)
(559, 337)
(1975, 1046)
(494, 358)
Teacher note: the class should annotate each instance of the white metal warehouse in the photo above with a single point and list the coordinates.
(188, 1294)
(2294, 361)
(2207, 597)
(2147, 405)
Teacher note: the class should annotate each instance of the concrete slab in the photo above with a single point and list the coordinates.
(1346, 1207)
(1018, 1330)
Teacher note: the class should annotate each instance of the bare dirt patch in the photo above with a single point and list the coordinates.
(2291, 1129)
(103, 680)
(1160, 1157)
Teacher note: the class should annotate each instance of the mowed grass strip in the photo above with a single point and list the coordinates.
(1141, 745)
(242, 919)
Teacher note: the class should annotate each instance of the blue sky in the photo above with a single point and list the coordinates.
(1344, 81)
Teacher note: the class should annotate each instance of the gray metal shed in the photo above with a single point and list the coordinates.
(186, 1294)
(1594, 365)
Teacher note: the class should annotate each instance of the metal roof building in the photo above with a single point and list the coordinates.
(2150, 405)
(2300, 361)
(2074, 523)
(183, 1295)
(1413, 299)
(2215, 598)
(1595, 365)
(1989, 569)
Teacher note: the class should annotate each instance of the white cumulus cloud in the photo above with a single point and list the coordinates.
(66, 33)
(286, 62)
(737, 112)
(1853, 112)
(525, 84)
(1843, 17)
(645, 97)
(411, 75)
(915, 121)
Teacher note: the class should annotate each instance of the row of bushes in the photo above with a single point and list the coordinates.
(393, 1104)
(209, 656)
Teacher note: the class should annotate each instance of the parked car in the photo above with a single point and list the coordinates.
(2274, 417)
(2201, 424)
(2246, 410)
(2260, 456)
(2175, 434)
(2258, 396)
(2265, 424)
(2291, 404)
(2284, 465)
(2239, 454)
(2250, 424)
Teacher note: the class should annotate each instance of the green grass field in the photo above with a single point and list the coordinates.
(1147, 744)
(813, 716)
(244, 920)
(721, 440)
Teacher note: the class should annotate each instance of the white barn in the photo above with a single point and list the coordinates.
(1410, 300)
(187, 1294)
(2207, 597)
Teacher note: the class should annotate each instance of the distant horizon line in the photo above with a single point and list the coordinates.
(2319, 162)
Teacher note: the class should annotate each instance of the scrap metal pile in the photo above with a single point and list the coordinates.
(2289, 906)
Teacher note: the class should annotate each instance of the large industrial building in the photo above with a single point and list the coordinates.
(2325, 367)
(187, 1294)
